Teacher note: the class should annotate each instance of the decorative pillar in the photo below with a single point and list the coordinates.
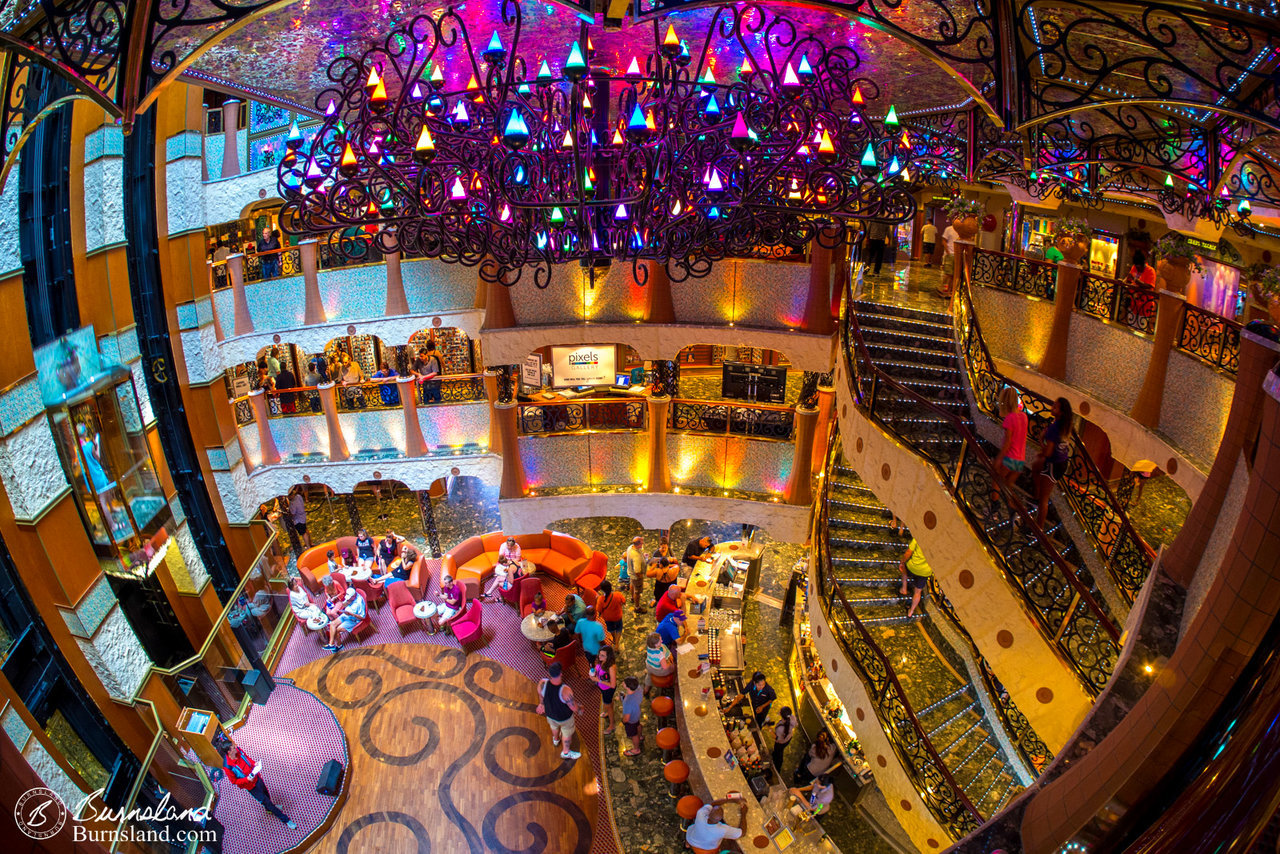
(414, 444)
(666, 377)
(428, 514)
(1015, 229)
(659, 476)
(397, 302)
(1146, 410)
(498, 313)
(800, 483)
(817, 306)
(218, 334)
(235, 273)
(266, 442)
(337, 442)
(840, 260)
(311, 283)
(491, 394)
(513, 482)
(826, 403)
(964, 260)
(230, 148)
(1257, 357)
(1054, 362)
(659, 308)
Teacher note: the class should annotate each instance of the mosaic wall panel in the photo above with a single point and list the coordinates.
(224, 200)
(368, 431)
(213, 152)
(263, 117)
(31, 470)
(51, 773)
(186, 144)
(593, 458)
(1195, 421)
(10, 250)
(431, 286)
(19, 405)
(104, 202)
(455, 425)
(184, 195)
(1014, 327)
(1104, 360)
(117, 656)
(15, 727)
(616, 298)
(265, 152)
(106, 141)
(729, 463)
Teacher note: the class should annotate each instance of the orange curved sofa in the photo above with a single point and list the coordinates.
(313, 566)
(558, 555)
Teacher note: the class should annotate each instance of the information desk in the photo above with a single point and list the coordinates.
(714, 772)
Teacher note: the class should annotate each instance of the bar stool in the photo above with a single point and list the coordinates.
(677, 774)
(669, 743)
(664, 684)
(664, 708)
(687, 808)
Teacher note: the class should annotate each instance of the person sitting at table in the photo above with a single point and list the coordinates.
(672, 600)
(672, 628)
(300, 602)
(591, 631)
(573, 610)
(331, 561)
(365, 553)
(346, 561)
(388, 547)
(561, 637)
(814, 798)
(658, 660)
(453, 595)
(508, 570)
(400, 571)
(538, 607)
(332, 595)
(344, 618)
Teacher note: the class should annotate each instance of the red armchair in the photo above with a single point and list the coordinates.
(568, 656)
(373, 591)
(597, 568)
(529, 587)
(364, 625)
(467, 628)
(401, 602)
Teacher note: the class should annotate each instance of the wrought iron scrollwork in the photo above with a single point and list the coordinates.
(507, 377)
(809, 390)
(1210, 337)
(578, 415)
(697, 416)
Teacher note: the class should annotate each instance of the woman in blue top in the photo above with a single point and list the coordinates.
(1050, 464)
(364, 548)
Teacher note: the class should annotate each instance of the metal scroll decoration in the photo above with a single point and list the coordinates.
(439, 148)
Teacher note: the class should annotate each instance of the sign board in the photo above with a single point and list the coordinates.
(531, 371)
(587, 364)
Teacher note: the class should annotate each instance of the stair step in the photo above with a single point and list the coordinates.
(915, 356)
(879, 309)
(909, 338)
(963, 689)
(869, 581)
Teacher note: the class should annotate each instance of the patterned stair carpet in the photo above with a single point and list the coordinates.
(293, 736)
(365, 663)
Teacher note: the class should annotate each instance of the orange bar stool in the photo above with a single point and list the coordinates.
(664, 684)
(687, 808)
(669, 743)
(677, 773)
(665, 709)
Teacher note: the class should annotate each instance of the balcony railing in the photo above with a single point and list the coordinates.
(366, 396)
(933, 781)
(287, 261)
(1126, 554)
(1063, 606)
(1209, 337)
(758, 421)
(581, 415)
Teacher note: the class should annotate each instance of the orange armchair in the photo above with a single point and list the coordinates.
(590, 578)
(313, 564)
(401, 602)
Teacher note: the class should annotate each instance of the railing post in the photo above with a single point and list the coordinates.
(235, 272)
(659, 307)
(230, 147)
(397, 302)
(337, 442)
(266, 441)
(826, 404)
(498, 313)
(491, 395)
(1146, 410)
(513, 482)
(964, 452)
(800, 483)
(1054, 362)
(414, 444)
(817, 307)
(314, 312)
(658, 477)
(218, 334)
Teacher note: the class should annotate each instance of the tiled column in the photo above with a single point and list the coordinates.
(513, 483)
(498, 313)
(963, 263)
(491, 394)
(266, 442)
(213, 306)
(659, 308)
(414, 444)
(840, 261)
(1146, 409)
(826, 401)
(230, 149)
(311, 283)
(817, 306)
(397, 302)
(659, 477)
(235, 272)
(1054, 362)
(1257, 356)
(800, 484)
(337, 442)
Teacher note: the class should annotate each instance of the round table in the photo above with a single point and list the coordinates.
(318, 621)
(532, 630)
(359, 573)
(426, 612)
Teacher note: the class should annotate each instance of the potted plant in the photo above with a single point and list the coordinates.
(963, 214)
(1264, 285)
(1072, 237)
(1175, 259)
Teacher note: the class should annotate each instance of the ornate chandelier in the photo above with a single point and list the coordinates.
(509, 161)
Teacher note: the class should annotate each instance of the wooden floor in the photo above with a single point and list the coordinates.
(447, 755)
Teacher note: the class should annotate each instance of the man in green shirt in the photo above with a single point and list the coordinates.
(1051, 253)
(915, 575)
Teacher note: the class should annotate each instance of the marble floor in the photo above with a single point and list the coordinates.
(1160, 511)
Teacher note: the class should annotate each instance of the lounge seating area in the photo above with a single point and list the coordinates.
(560, 556)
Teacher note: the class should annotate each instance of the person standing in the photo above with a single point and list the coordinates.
(695, 550)
(298, 513)
(246, 774)
(759, 695)
(273, 363)
(672, 600)
(663, 569)
(591, 631)
(928, 239)
(949, 238)
(783, 732)
(634, 558)
(1013, 449)
(709, 829)
(915, 572)
(631, 711)
(877, 237)
(1050, 465)
(611, 605)
(556, 703)
(285, 380)
(821, 759)
(605, 671)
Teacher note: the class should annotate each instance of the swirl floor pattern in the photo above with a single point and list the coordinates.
(447, 748)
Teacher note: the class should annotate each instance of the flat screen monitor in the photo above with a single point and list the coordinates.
(622, 380)
(760, 383)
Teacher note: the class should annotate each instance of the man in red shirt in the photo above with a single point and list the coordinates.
(247, 774)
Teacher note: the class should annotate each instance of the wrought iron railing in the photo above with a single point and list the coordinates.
(1062, 605)
(933, 780)
(287, 261)
(1126, 555)
(582, 414)
(1014, 273)
(359, 397)
(1207, 336)
(733, 419)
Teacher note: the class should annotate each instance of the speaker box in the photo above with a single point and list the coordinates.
(258, 686)
(330, 778)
